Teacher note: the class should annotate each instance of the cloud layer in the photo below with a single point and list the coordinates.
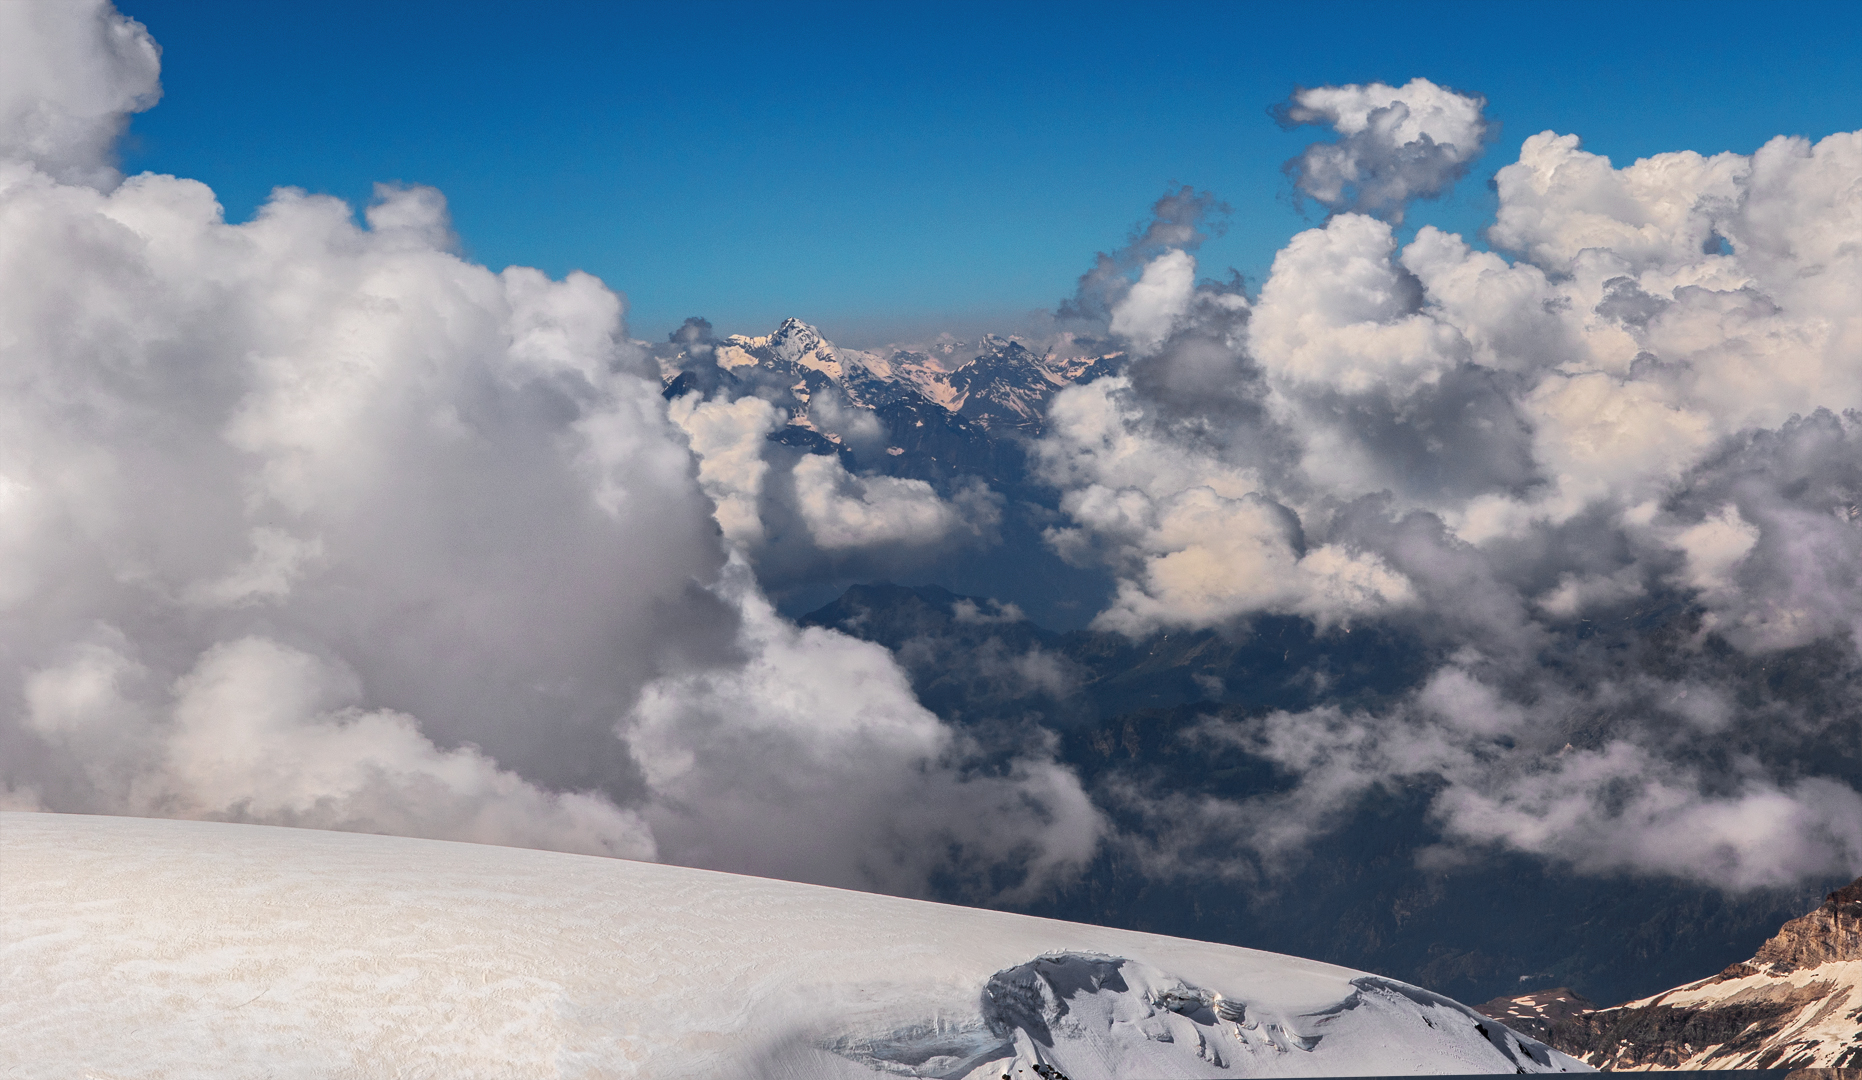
(1645, 399)
(311, 522)
(802, 514)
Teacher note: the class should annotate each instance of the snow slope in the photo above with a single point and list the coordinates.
(140, 948)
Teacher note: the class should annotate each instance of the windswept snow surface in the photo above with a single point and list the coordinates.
(141, 948)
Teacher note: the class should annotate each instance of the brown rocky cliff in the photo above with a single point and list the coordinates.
(1832, 932)
(1770, 1019)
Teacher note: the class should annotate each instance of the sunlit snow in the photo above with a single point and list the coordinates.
(146, 948)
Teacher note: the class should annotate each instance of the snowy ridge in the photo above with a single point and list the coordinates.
(1008, 386)
(1003, 385)
(193, 949)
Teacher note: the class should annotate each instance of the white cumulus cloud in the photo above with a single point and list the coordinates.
(1396, 143)
(70, 75)
(317, 523)
(1646, 400)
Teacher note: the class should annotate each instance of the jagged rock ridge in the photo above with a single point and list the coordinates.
(1832, 933)
(1796, 1004)
(1005, 386)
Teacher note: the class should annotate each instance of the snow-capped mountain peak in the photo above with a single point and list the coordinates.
(795, 341)
(793, 344)
(1002, 387)
(1008, 385)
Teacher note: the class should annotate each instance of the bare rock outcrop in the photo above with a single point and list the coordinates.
(1796, 1004)
(1537, 1014)
(1833, 932)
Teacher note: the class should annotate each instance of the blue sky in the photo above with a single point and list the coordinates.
(883, 169)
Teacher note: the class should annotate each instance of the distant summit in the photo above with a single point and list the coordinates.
(1796, 1004)
(1004, 387)
(1007, 386)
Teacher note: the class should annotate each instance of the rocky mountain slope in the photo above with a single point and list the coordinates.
(1006, 387)
(203, 949)
(1536, 1014)
(1796, 1004)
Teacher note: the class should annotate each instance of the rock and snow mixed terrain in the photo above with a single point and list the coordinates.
(1796, 1004)
(997, 383)
(193, 949)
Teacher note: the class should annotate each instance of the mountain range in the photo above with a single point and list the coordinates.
(942, 417)
(1003, 386)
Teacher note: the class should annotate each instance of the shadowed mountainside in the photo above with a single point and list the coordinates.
(1377, 888)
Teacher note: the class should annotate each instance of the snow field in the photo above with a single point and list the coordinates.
(155, 949)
